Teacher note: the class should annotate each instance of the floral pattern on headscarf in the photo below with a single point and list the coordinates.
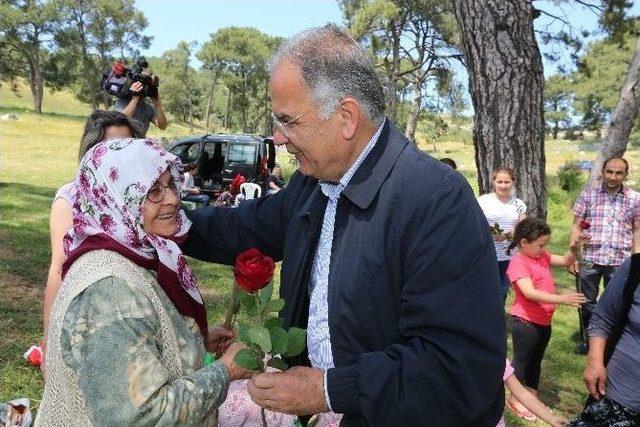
(112, 183)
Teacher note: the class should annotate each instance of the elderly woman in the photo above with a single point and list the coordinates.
(128, 333)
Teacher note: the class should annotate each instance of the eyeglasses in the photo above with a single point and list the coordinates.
(283, 126)
(157, 192)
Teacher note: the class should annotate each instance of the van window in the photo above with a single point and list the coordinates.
(242, 154)
(215, 148)
(188, 153)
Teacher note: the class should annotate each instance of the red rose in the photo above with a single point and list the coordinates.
(584, 224)
(253, 270)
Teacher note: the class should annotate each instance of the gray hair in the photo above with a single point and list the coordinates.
(333, 66)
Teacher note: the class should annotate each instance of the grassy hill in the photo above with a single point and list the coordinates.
(38, 154)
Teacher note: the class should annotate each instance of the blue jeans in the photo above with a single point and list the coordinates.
(197, 198)
(504, 280)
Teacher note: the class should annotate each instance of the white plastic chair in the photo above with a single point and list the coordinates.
(250, 190)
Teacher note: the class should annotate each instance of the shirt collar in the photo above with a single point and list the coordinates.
(333, 190)
(622, 191)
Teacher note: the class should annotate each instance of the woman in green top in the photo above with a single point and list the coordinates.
(128, 333)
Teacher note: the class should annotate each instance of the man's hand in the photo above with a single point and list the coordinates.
(219, 339)
(595, 378)
(160, 120)
(298, 391)
(136, 88)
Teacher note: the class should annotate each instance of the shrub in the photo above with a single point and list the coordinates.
(570, 176)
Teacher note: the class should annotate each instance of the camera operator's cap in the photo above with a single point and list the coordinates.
(119, 69)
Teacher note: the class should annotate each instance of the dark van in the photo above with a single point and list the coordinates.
(220, 157)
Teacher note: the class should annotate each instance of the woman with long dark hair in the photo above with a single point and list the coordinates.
(100, 126)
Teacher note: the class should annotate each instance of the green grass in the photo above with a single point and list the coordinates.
(38, 154)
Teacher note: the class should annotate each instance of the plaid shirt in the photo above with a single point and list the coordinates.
(611, 218)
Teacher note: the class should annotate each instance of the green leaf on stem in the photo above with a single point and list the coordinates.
(271, 322)
(243, 333)
(247, 301)
(276, 362)
(243, 296)
(260, 335)
(297, 341)
(279, 339)
(247, 359)
(273, 306)
(266, 293)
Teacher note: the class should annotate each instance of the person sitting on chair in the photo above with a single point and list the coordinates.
(190, 192)
(231, 196)
(275, 182)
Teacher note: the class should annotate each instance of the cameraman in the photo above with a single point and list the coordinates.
(141, 111)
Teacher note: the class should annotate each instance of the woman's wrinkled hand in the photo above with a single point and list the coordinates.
(219, 339)
(235, 372)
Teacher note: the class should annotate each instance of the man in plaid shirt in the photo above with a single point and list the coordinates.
(612, 212)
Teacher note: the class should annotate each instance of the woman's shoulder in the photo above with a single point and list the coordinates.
(100, 263)
(108, 299)
(518, 203)
(486, 200)
(67, 192)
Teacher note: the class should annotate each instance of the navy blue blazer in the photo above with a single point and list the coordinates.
(415, 312)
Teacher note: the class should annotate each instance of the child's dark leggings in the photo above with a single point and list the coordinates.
(529, 343)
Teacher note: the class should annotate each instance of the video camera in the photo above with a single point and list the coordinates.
(118, 80)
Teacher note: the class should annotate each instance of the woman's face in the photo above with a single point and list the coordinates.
(114, 132)
(503, 184)
(277, 171)
(534, 248)
(160, 216)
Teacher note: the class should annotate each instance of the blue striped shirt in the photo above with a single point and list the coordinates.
(318, 336)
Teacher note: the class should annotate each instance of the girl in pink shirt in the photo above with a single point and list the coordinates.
(535, 301)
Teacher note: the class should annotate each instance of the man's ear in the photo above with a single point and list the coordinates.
(350, 112)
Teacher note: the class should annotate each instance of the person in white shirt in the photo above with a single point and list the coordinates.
(190, 192)
(505, 210)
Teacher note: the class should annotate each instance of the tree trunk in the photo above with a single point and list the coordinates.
(506, 81)
(267, 111)
(392, 89)
(246, 102)
(617, 131)
(207, 113)
(88, 75)
(228, 112)
(556, 128)
(416, 104)
(36, 84)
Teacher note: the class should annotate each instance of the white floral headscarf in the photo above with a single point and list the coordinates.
(112, 183)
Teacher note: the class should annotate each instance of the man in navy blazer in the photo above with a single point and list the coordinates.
(386, 256)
